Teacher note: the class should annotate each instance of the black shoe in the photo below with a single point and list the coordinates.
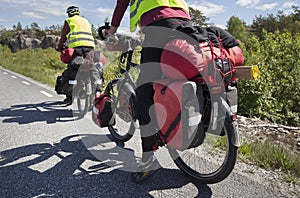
(146, 170)
(68, 100)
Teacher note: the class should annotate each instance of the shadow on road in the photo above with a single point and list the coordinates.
(68, 169)
(49, 112)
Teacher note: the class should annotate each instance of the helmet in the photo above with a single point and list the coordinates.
(73, 10)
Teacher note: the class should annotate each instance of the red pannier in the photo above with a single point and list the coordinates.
(66, 55)
(236, 55)
(181, 60)
(205, 63)
(178, 113)
(213, 59)
(103, 112)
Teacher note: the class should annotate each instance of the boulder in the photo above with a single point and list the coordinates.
(50, 41)
(31, 43)
(23, 42)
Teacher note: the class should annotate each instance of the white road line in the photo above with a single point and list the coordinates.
(46, 94)
(25, 82)
(5, 73)
(14, 76)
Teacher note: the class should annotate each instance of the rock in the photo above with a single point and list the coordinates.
(31, 43)
(14, 45)
(49, 41)
(23, 42)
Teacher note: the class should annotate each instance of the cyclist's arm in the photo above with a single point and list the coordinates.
(118, 14)
(63, 36)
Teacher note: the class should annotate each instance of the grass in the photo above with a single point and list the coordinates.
(272, 156)
(268, 155)
(40, 65)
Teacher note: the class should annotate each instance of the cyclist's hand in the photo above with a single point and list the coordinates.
(60, 48)
(106, 32)
(111, 41)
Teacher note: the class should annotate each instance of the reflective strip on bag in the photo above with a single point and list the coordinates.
(72, 82)
(215, 116)
(195, 120)
(95, 110)
(234, 108)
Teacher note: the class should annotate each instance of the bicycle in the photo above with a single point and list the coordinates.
(209, 162)
(123, 95)
(82, 87)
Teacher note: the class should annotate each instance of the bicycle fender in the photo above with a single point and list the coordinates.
(233, 125)
(235, 138)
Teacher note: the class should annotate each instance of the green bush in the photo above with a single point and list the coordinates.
(276, 95)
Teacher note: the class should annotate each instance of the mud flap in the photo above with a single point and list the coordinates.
(233, 125)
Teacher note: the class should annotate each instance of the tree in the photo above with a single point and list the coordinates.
(94, 31)
(19, 26)
(237, 28)
(35, 26)
(280, 22)
(198, 18)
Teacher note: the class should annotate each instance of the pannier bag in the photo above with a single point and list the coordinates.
(178, 113)
(66, 55)
(181, 60)
(59, 85)
(103, 111)
(64, 87)
(213, 59)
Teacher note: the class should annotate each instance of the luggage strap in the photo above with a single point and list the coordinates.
(172, 127)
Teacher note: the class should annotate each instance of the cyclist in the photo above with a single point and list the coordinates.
(169, 14)
(76, 33)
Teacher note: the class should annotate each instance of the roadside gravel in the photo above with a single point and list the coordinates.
(256, 129)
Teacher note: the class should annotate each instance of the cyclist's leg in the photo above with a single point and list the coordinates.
(147, 121)
(150, 71)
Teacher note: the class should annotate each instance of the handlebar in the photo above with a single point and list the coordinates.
(106, 26)
(126, 57)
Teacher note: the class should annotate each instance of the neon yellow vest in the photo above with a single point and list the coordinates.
(80, 32)
(139, 7)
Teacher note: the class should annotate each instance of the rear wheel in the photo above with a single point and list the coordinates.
(212, 161)
(126, 123)
(83, 99)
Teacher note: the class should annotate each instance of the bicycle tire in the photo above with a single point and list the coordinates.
(83, 99)
(207, 166)
(125, 125)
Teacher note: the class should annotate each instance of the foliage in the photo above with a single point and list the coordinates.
(41, 65)
(279, 22)
(112, 66)
(271, 156)
(237, 28)
(198, 18)
(276, 95)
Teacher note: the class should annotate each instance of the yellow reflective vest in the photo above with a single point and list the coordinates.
(80, 34)
(139, 7)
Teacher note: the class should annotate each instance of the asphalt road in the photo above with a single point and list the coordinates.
(47, 152)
